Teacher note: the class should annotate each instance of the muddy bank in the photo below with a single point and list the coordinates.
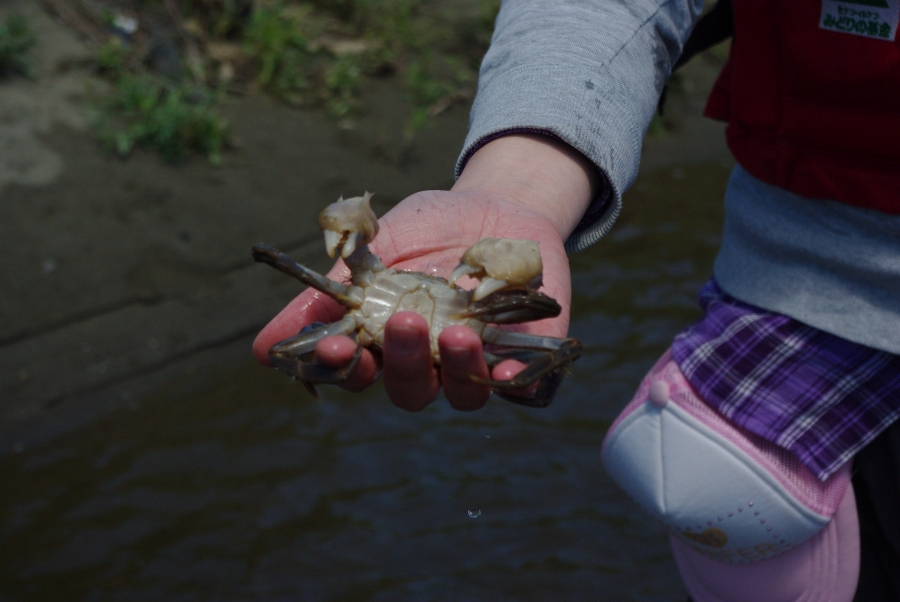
(116, 269)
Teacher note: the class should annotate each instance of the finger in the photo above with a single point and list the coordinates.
(337, 352)
(461, 356)
(410, 378)
(508, 369)
(310, 306)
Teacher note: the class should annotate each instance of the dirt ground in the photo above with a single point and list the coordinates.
(119, 276)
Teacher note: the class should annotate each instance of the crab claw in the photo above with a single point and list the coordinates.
(348, 224)
(501, 263)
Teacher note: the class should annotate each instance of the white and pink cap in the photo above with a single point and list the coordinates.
(743, 514)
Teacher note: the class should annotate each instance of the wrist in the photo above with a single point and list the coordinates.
(537, 172)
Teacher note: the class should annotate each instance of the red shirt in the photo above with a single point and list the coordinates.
(809, 109)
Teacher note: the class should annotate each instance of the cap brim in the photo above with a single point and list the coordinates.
(825, 568)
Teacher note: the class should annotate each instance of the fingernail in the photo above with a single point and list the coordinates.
(460, 354)
(405, 340)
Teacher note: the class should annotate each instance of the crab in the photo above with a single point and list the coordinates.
(508, 272)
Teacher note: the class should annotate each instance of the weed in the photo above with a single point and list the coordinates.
(394, 23)
(312, 52)
(174, 119)
(319, 53)
(342, 81)
(425, 90)
(278, 41)
(16, 39)
(112, 56)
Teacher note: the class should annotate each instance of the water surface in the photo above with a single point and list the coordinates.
(250, 490)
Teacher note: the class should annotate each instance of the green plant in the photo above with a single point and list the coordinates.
(140, 109)
(299, 57)
(16, 39)
(173, 119)
(278, 41)
(394, 24)
(318, 52)
(425, 90)
(112, 56)
(434, 83)
(342, 80)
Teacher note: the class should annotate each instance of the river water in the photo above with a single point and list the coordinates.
(250, 490)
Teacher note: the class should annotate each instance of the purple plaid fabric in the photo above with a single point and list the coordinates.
(810, 392)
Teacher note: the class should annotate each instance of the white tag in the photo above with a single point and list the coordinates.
(870, 18)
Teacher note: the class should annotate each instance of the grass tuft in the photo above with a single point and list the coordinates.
(16, 40)
(176, 120)
(314, 53)
(318, 54)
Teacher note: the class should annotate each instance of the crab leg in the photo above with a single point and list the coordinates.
(350, 296)
(289, 355)
(544, 364)
(513, 307)
(547, 359)
(297, 346)
(520, 340)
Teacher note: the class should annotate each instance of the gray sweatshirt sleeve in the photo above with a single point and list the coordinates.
(588, 72)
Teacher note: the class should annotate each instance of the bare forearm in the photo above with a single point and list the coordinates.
(537, 172)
